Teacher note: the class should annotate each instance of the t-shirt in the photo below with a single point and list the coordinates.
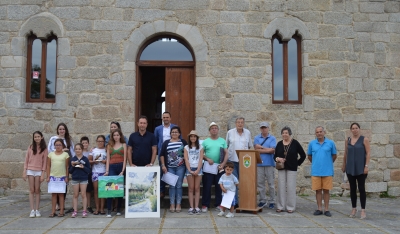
(267, 159)
(212, 148)
(193, 155)
(229, 182)
(173, 153)
(142, 147)
(58, 167)
(322, 162)
(99, 154)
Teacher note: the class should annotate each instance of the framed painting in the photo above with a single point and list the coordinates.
(111, 186)
(142, 196)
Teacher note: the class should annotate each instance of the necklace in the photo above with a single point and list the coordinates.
(286, 148)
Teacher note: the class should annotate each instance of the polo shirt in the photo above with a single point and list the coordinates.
(212, 148)
(142, 147)
(322, 162)
(267, 159)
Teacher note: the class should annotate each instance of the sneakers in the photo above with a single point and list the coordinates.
(327, 213)
(271, 205)
(191, 211)
(221, 213)
(73, 215)
(318, 212)
(32, 214)
(261, 204)
(204, 209)
(230, 215)
(118, 213)
(197, 211)
(37, 213)
(90, 209)
(84, 214)
(218, 208)
(108, 214)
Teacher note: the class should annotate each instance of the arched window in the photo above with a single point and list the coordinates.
(166, 49)
(286, 71)
(41, 69)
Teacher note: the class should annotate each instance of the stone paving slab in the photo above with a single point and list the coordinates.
(383, 217)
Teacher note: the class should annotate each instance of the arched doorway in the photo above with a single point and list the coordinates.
(166, 64)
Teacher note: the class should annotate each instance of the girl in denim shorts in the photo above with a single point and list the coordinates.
(194, 162)
(98, 159)
(79, 169)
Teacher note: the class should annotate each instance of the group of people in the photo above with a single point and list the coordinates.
(186, 157)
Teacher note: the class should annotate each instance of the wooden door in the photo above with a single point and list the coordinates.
(180, 96)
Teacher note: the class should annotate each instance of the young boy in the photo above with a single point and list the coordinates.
(228, 182)
(85, 142)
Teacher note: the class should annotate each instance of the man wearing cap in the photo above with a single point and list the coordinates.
(211, 151)
(265, 144)
(162, 133)
(237, 138)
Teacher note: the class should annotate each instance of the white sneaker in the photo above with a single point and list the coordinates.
(108, 214)
(230, 215)
(221, 213)
(204, 209)
(32, 214)
(37, 213)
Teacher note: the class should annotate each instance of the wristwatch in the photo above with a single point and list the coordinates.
(151, 164)
(366, 165)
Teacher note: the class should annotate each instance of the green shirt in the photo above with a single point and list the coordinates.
(212, 148)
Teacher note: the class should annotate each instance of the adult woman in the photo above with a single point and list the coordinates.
(287, 151)
(114, 125)
(355, 163)
(172, 151)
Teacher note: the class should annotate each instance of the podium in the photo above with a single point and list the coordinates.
(248, 160)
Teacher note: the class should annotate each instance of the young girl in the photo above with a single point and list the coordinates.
(193, 161)
(116, 162)
(80, 169)
(34, 168)
(114, 125)
(89, 189)
(97, 158)
(57, 170)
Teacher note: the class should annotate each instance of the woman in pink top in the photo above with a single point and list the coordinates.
(34, 167)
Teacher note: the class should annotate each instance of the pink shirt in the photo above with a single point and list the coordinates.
(36, 162)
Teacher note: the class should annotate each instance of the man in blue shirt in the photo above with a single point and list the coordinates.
(322, 154)
(265, 144)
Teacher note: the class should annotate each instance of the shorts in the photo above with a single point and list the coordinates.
(33, 173)
(193, 169)
(55, 178)
(76, 182)
(95, 176)
(321, 182)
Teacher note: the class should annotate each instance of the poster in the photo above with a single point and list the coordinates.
(142, 196)
(111, 186)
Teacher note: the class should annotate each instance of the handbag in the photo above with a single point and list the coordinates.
(281, 165)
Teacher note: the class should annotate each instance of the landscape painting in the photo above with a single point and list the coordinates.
(111, 186)
(142, 192)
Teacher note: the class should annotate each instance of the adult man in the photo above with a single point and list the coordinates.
(162, 133)
(211, 151)
(322, 154)
(142, 146)
(237, 138)
(265, 144)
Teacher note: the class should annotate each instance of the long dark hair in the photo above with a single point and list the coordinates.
(59, 140)
(42, 144)
(196, 143)
(111, 142)
(104, 139)
(66, 135)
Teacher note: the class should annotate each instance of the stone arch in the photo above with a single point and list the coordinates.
(190, 33)
(42, 25)
(286, 28)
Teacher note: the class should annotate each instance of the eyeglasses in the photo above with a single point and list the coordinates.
(58, 145)
(175, 132)
(99, 141)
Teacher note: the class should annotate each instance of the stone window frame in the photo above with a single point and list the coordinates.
(31, 38)
(285, 65)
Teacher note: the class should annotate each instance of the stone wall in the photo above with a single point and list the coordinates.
(351, 71)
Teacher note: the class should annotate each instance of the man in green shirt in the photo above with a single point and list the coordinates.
(212, 154)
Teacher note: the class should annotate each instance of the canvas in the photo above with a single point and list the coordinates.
(111, 186)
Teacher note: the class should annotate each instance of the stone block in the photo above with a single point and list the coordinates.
(133, 4)
(46, 115)
(257, 72)
(253, 30)
(395, 175)
(325, 30)
(324, 103)
(150, 15)
(232, 17)
(205, 82)
(77, 86)
(366, 95)
(117, 37)
(333, 70)
(363, 26)
(395, 85)
(21, 113)
(12, 61)
(65, 12)
(8, 26)
(91, 13)
(105, 112)
(308, 16)
(379, 17)
(383, 127)
(336, 44)
(237, 5)
(394, 17)
(114, 25)
(71, 3)
(111, 13)
(246, 102)
(392, 7)
(19, 12)
(257, 45)
(372, 7)
(4, 37)
(337, 18)
(78, 25)
(207, 94)
(343, 100)
(258, 17)
(393, 163)
(91, 126)
(380, 58)
(186, 5)
(242, 85)
(124, 93)
(376, 187)
(312, 86)
(11, 169)
(90, 73)
(227, 30)
(234, 62)
(89, 99)
(358, 70)
(394, 191)
(66, 62)
(12, 155)
(105, 60)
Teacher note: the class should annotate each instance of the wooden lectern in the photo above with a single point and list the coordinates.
(248, 160)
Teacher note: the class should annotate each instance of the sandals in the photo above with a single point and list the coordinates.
(102, 212)
(52, 215)
(96, 213)
(353, 215)
(290, 211)
(60, 215)
(278, 211)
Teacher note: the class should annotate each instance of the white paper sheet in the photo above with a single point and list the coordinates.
(212, 169)
(56, 187)
(227, 199)
(170, 178)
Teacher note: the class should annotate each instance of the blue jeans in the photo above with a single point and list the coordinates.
(208, 181)
(114, 170)
(175, 192)
(236, 173)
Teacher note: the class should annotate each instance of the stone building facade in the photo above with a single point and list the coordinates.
(350, 59)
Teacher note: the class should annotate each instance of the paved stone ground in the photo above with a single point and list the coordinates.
(383, 217)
